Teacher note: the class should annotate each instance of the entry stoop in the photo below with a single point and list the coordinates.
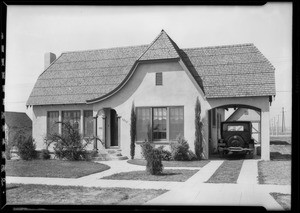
(109, 154)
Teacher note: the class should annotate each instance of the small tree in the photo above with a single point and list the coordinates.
(70, 144)
(198, 130)
(132, 131)
(153, 157)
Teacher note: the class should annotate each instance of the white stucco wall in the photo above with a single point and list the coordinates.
(177, 90)
(215, 131)
(39, 120)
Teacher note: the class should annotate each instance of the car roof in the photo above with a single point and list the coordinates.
(240, 122)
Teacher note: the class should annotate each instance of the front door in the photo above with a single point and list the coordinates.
(111, 129)
(114, 129)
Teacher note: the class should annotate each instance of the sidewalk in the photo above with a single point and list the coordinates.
(194, 191)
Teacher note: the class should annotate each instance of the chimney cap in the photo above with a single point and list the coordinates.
(49, 57)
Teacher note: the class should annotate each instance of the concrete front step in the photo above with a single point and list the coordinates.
(107, 158)
(109, 154)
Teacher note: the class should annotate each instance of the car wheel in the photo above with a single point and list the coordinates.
(221, 154)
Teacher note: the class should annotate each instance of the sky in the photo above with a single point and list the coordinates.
(34, 30)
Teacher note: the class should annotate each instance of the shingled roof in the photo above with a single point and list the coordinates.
(17, 120)
(221, 71)
(231, 71)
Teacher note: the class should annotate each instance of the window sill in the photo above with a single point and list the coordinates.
(156, 142)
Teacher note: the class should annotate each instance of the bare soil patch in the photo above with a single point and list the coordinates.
(179, 175)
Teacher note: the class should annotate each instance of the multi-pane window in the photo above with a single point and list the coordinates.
(73, 117)
(143, 123)
(88, 123)
(159, 123)
(158, 78)
(52, 125)
(176, 122)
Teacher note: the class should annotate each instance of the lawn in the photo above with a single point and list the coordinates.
(52, 168)
(283, 199)
(179, 175)
(228, 172)
(76, 195)
(274, 172)
(200, 164)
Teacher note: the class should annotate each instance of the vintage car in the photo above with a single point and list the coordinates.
(236, 138)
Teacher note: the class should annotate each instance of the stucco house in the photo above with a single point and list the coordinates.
(95, 91)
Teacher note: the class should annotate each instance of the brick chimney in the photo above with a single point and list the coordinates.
(48, 59)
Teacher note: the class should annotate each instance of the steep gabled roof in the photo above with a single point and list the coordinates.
(161, 48)
(17, 119)
(221, 71)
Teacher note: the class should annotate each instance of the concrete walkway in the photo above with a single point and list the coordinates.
(194, 191)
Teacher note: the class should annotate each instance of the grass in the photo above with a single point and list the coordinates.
(228, 172)
(274, 172)
(53, 168)
(279, 139)
(76, 195)
(179, 175)
(280, 152)
(200, 164)
(283, 199)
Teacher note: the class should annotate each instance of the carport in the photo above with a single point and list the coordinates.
(259, 105)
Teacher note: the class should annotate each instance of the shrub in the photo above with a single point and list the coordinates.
(192, 155)
(45, 154)
(179, 149)
(69, 145)
(165, 154)
(153, 157)
(26, 147)
(132, 131)
(7, 150)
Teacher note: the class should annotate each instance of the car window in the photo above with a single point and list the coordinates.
(235, 128)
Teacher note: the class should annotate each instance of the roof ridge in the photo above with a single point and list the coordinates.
(14, 112)
(111, 48)
(220, 46)
(150, 45)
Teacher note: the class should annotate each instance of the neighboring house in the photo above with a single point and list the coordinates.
(244, 114)
(95, 90)
(16, 122)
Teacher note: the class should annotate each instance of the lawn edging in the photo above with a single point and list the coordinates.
(200, 164)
